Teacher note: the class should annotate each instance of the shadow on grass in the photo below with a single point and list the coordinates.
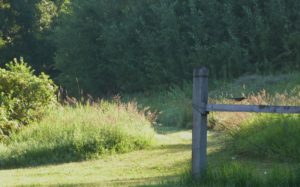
(65, 154)
(40, 157)
(147, 181)
(216, 160)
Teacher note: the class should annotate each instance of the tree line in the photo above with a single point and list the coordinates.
(110, 46)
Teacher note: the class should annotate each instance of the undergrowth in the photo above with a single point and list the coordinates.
(78, 133)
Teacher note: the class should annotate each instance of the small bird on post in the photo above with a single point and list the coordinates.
(239, 99)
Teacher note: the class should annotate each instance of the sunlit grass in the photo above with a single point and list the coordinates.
(78, 133)
(168, 158)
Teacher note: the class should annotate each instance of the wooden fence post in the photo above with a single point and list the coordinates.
(200, 100)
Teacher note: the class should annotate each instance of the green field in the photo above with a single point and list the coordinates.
(156, 166)
(166, 160)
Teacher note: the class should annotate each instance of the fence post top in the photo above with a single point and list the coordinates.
(201, 72)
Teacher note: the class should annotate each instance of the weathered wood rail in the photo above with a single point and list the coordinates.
(201, 109)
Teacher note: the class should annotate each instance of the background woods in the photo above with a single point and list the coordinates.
(123, 46)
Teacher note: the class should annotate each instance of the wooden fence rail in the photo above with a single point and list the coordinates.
(201, 109)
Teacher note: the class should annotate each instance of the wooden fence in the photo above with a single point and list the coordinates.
(201, 109)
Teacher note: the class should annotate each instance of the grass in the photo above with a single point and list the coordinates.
(237, 174)
(169, 157)
(165, 104)
(268, 137)
(166, 163)
(73, 134)
(253, 84)
(173, 106)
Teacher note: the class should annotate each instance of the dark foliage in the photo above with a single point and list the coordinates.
(109, 46)
(25, 30)
(112, 46)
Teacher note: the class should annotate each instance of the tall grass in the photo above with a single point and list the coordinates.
(269, 137)
(265, 136)
(77, 133)
(174, 106)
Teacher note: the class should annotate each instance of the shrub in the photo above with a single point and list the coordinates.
(79, 133)
(24, 97)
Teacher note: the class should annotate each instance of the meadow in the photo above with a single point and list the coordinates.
(99, 92)
(145, 140)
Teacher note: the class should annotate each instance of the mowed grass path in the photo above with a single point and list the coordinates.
(167, 159)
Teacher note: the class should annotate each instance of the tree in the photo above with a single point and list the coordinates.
(25, 29)
(109, 46)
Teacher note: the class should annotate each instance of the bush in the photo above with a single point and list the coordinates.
(24, 97)
(79, 133)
